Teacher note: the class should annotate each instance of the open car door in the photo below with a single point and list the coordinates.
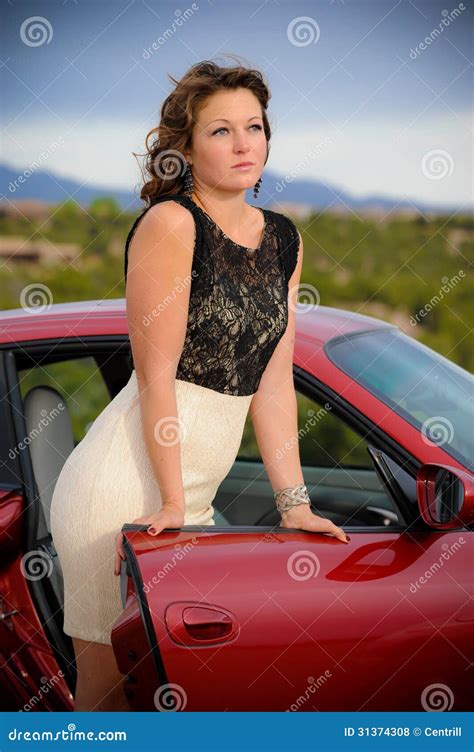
(271, 619)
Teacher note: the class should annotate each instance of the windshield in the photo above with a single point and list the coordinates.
(426, 389)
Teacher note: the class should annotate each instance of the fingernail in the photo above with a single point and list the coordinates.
(152, 530)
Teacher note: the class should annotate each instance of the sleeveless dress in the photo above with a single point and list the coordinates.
(238, 311)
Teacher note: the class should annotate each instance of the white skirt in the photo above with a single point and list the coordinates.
(108, 480)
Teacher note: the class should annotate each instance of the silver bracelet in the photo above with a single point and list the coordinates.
(290, 497)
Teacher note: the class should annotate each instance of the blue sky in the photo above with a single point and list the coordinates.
(355, 80)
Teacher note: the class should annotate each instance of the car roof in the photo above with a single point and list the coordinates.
(316, 323)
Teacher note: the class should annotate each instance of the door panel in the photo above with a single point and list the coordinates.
(273, 620)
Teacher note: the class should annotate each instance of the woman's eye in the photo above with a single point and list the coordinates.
(255, 125)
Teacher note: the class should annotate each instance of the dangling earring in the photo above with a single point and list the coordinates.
(256, 187)
(188, 186)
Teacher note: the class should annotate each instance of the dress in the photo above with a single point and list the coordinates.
(238, 312)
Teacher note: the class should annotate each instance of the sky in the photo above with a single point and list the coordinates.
(372, 96)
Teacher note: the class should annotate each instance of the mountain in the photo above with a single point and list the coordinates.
(307, 194)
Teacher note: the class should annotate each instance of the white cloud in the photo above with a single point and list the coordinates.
(378, 156)
(383, 156)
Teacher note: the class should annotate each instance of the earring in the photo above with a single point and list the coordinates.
(257, 187)
(188, 186)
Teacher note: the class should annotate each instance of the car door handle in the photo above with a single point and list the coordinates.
(191, 624)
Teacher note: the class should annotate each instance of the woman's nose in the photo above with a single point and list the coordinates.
(241, 144)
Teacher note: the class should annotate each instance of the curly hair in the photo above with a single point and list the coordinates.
(166, 144)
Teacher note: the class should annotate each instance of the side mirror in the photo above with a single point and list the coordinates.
(445, 496)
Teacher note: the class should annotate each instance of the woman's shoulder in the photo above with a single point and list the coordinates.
(169, 214)
(290, 239)
(285, 224)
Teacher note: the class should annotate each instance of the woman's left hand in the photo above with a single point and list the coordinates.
(302, 518)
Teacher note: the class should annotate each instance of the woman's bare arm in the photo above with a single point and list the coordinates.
(158, 288)
(274, 414)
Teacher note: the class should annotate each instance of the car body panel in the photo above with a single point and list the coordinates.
(271, 614)
(364, 620)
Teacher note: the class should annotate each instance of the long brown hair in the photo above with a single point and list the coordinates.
(164, 163)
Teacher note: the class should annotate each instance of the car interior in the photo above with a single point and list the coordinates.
(337, 464)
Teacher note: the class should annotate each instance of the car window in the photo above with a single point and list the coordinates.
(337, 469)
(79, 381)
(428, 390)
(324, 439)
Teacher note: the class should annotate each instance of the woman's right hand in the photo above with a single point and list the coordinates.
(167, 516)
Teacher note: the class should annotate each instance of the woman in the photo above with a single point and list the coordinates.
(211, 292)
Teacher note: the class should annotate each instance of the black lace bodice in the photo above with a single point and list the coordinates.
(238, 305)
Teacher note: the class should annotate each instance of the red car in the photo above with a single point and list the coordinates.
(245, 615)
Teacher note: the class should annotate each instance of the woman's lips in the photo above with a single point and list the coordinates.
(247, 166)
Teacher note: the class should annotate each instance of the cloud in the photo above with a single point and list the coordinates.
(383, 156)
(376, 156)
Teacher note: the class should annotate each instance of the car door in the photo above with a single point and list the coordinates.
(29, 675)
(37, 669)
(271, 619)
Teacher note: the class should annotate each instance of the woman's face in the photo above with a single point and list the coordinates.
(229, 130)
